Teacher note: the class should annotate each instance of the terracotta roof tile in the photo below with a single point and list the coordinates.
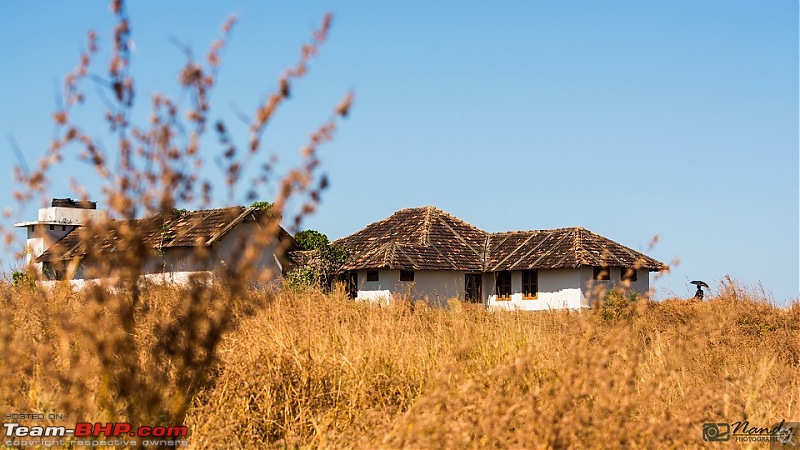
(430, 239)
(417, 238)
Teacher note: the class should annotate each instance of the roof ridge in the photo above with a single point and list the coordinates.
(485, 258)
(518, 247)
(433, 209)
(538, 230)
(425, 239)
(577, 246)
(232, 223)
(460, 238)
(548, 252)
(196, 211)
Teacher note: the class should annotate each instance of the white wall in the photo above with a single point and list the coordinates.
(71, 216)
(241, 238)
(438, 286)
(40, 237)
(380, 290)
(558, 289)
(592, 290)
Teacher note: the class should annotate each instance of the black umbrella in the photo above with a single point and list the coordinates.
(700, 284)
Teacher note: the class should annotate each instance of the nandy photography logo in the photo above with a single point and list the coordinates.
(779, 435)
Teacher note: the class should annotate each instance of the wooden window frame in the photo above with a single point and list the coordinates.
(370, 278)
(597, 273)
(628, 274)
(498, 296)
(406, 278)
(529, 285)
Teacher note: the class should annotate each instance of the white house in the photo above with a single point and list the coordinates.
(429, 253)
(63, 216)
(57, 248)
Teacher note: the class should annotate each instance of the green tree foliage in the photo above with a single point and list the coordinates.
(326, 265)
(302, 278)
(267, 206)
(23, 279)
(312, 240)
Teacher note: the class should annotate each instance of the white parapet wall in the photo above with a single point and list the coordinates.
(71, 216)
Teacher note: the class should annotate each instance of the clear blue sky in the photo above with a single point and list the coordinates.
(630, 118)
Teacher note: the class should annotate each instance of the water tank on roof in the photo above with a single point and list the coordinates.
(70, 203)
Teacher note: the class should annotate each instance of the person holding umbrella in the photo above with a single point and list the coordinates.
(700, 285)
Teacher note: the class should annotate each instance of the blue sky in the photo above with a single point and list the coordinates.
(675, 118)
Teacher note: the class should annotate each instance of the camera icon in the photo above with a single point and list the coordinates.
(716, 432)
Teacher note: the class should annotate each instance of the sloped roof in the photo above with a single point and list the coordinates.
(166, 230)
(417, 238)
(430, 239)
(561, 248)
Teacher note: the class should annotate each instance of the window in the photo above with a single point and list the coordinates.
(472, 288)
(602, 273)
(52, 227)
(406, 275)
(503, 285)
(372, 275)
(63, 228)
(629, 275)
(530, 284)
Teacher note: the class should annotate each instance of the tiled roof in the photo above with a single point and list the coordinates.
(430, 239)
(417, 238)
(561, 248)
(187, 229)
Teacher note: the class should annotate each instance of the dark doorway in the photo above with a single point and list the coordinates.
(473, 292)
(352, 284)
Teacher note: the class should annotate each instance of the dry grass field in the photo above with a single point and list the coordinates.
(315, 370)
(248, 368)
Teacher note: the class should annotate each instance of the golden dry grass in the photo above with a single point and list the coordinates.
(253, 369)
(319, 370)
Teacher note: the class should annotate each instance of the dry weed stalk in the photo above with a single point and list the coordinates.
(122, 350)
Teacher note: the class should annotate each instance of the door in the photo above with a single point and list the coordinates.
(473, 292)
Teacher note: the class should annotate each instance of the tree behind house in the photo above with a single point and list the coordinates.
(324, 264)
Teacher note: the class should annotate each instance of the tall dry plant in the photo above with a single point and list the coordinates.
(120, 350)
